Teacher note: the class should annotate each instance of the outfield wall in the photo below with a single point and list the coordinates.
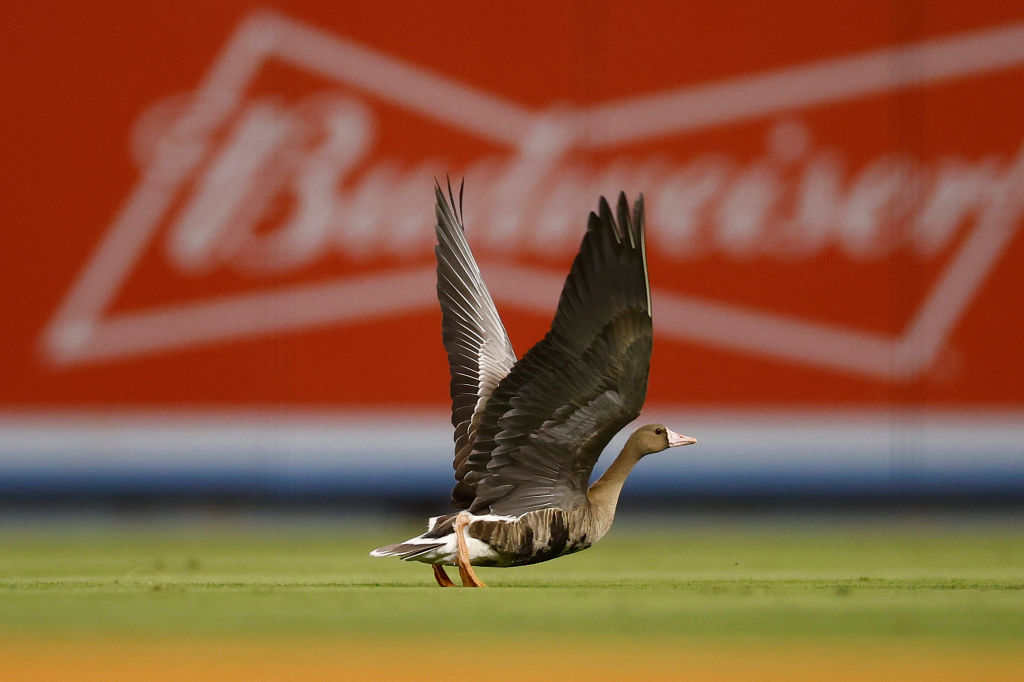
(218, 267)
(395, 457)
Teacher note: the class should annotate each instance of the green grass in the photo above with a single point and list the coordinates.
(673, 577)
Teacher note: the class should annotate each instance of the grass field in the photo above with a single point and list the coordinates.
(669, 598)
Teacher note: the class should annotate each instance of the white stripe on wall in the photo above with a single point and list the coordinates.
(742, 440)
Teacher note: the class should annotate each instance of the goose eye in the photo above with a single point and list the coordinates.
(658, 431)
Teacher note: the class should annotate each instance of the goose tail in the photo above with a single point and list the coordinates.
(406, 550)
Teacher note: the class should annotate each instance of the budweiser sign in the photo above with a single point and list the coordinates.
(283, 210)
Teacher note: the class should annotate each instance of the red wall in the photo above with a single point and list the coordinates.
(228, 208)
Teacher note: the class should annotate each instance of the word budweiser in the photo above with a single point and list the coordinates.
(793, 200)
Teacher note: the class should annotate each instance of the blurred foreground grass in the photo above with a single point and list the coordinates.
(665, 578)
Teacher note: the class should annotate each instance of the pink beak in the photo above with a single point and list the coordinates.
(676, 439)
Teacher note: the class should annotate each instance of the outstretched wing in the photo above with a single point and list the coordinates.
(479, 351)
(545, 425)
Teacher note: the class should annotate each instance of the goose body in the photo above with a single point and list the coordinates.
(528, 432)
(494, 540)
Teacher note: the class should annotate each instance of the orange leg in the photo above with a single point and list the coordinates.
(469, 578)
(441, 577)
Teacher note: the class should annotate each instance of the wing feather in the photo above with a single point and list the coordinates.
(543, 427)
(479, 352)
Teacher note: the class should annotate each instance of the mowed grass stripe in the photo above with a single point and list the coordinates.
(668, 579)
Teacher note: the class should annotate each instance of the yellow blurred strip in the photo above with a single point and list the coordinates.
(461, 655)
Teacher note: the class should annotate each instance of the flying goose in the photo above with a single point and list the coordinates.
(528, 432)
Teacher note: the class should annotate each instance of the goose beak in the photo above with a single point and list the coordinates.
(677, 439)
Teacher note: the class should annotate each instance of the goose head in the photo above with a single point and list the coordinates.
(657, 437)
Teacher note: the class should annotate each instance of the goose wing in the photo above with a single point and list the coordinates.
(480, 354)
(544, 426)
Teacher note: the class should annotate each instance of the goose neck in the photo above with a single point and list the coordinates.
(604, 494)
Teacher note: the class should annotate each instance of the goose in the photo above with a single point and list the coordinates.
(529, 431)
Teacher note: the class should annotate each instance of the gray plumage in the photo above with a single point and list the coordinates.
(528, 433)
(479, 351)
